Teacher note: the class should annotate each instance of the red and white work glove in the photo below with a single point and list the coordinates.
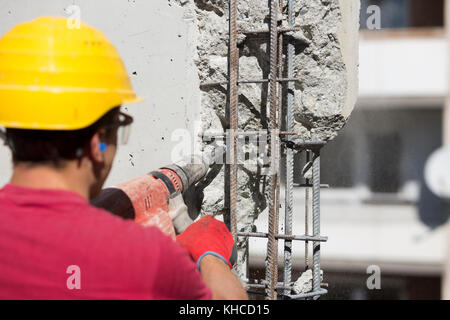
(208, 236)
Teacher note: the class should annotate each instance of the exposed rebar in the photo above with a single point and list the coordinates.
(289, 162)
(243, 81)
(316, 220)
(276, 84)
(280, 30)
(282, 236)
(233, 70)
(272, 243)
(307, 211)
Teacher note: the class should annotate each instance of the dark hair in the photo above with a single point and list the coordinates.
(38, 147)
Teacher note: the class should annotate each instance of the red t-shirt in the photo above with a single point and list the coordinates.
(55, 245)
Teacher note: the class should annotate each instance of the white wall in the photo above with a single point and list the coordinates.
(403, 67)
(155, 41)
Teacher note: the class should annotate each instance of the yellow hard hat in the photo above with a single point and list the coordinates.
(55, 76)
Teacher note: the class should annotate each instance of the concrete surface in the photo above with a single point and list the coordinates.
(154, 40)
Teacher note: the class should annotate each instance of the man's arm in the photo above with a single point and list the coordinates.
(222, 282)
(178, 277)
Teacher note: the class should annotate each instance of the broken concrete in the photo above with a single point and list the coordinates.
(325, 63)
(304, 283)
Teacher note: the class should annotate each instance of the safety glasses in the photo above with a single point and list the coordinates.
(124, 128)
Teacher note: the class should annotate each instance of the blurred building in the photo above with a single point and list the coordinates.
(379, 210)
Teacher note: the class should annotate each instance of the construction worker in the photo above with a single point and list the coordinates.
(61, 89)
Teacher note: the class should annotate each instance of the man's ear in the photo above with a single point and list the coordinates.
(94, 146)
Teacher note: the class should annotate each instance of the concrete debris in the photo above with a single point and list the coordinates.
(299, 37)
(304, 283)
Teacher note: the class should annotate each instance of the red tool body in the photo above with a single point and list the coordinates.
(146, 198)
(150, 198)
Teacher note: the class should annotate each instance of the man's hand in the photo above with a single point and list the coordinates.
(207, 236)
(210, 245)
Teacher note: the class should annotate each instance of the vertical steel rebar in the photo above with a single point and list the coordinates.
(289, 162)
(307, 212)
(316, 220)
(279, 124)
(272, 243)
(233, 69)
(276, 114)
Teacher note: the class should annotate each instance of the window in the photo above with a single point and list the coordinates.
(337, 162)
(384, 163)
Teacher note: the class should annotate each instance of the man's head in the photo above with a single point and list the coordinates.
(60, 103)
(90, 150)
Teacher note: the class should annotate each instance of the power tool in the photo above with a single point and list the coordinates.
(146, 198)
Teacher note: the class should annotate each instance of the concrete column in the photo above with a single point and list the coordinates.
(446, 141)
